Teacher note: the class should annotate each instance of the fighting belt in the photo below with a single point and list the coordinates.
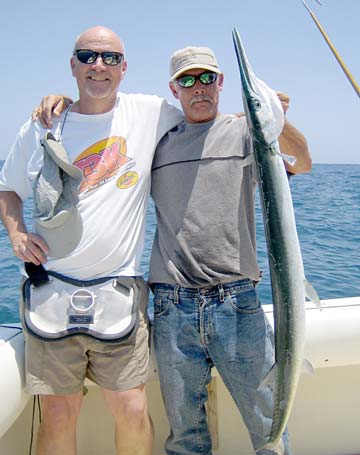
(55, 306)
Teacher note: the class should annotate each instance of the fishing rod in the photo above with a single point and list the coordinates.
(333, 50)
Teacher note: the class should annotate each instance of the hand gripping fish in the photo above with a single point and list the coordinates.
(265, 120)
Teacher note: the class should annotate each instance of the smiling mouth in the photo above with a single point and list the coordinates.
(98, 78)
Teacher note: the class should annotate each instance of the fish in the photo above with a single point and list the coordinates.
(265, 120)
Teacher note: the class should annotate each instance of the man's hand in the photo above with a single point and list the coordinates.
(51, 105)
(29, 247)
(284, 100)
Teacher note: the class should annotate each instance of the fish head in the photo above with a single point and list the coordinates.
(263, 110)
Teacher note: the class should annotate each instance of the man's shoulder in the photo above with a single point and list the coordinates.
(152, 105)
(232, 123)
(31, 131)
(141, 98)
(233, 119)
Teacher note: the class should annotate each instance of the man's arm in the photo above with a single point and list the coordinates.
(26, 246)
(293, 143)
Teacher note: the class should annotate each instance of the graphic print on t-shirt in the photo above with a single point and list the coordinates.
(102, 161)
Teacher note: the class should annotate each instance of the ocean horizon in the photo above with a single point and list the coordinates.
(327, 211)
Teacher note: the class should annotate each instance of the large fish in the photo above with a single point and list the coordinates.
(265, 120)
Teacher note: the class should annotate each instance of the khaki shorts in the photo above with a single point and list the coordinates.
(60, 367)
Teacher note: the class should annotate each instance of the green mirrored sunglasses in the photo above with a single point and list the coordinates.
(206, 78)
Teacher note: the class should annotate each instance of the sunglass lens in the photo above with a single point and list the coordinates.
(186, 81)
(87, 57)
(208, 78)
(111, 58)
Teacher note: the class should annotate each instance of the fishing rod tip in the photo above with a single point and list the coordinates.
(318, 1)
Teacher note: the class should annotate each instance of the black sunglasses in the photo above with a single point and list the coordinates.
(108, 57)
(206, 78)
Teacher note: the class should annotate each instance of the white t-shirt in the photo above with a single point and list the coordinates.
(115, 151)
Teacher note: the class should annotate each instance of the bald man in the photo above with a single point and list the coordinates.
(111, 137)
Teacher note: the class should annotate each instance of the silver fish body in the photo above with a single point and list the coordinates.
(284, 255)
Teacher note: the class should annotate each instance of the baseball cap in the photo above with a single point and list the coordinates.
(59, 155)
(56, 217)
(192, 58)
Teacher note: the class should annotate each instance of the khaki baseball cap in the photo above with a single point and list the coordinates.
(56, 217)
(192, 58)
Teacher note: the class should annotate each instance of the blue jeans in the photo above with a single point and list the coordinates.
(222, 326)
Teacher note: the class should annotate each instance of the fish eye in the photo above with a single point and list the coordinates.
(257, 104)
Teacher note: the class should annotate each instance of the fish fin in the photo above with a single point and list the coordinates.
(307, 367)
(270, 378)
(288, 158)
(312, 295)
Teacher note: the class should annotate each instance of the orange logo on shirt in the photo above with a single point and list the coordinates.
(127, 180)
(101, 161)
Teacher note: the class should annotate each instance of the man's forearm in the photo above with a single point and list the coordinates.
(11, 213)
(293, 143)
(27, 246)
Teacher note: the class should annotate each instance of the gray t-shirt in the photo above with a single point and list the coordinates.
(203, 186)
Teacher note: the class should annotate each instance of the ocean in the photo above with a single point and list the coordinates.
(327, 210)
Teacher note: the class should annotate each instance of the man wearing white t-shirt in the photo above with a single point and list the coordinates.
(111, 137)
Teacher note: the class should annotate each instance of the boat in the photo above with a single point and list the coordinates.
(324, 419)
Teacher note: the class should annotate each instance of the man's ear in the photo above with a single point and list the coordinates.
(172, 87)
(123, 69)
(221, 81)
(72, 65)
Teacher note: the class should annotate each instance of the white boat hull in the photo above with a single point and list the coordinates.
(324, 420)
(12, 397)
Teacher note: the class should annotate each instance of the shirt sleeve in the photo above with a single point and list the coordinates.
(170, 116)
(22, 163)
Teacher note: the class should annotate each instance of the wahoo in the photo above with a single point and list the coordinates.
(265, 119)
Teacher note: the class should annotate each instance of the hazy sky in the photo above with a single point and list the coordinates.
(283, 45)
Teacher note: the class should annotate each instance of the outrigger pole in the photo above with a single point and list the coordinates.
(333, 50)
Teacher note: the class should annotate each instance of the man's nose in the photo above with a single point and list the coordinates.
(199, 88)
(98, 64)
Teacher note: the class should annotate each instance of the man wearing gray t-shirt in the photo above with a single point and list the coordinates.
(203, 268)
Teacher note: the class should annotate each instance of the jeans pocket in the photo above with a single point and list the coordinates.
(244, 299)
(161, 305)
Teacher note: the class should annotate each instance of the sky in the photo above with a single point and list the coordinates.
(283, 45)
